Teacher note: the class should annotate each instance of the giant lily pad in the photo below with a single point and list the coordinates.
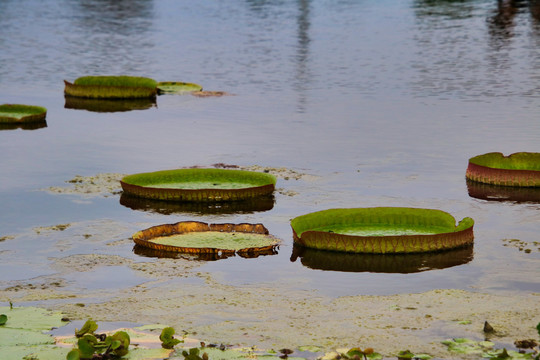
(381, 263)
(17, 113)
(177, 87)
(381, 230)
(518, 169)
(199, 185)
(111, 87)
(198, 237)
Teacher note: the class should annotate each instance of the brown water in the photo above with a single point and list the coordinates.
(380, 103)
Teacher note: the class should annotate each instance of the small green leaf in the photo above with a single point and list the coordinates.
(167, 339)
(538, 328)
(405, 354)
(3, 319)
(73, 355)
(124, 340)
(88, 328)
(86, 346)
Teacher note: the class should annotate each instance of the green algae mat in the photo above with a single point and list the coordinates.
(199, 185)
(18, 113)
(381, 230)
(198, 237)
(520, 169)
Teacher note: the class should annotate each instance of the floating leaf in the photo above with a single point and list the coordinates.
(17, 113)
(167, 339)
(88, 328)
(518, 169)
(199, 185)
(381, 230)
(74, 354)
(3, 319)
(124, 340)
(177, 87)
(198, 237)
(111, 87)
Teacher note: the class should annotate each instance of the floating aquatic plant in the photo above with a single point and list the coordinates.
(167, 338)
(198, 237)
(99, 346)
(111, 87)
(382, 230)
(518, 169)
(177, 87)
(199, 185)
(18, 113)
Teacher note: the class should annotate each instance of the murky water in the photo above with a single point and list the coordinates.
(380, 103)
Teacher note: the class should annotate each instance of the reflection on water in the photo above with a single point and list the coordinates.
(381, 263)
(34, 125)
(108, 105)
(148, 252)
(110, 32)
(503, 193)
(261, 203)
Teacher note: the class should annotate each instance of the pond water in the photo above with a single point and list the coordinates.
(365, 103)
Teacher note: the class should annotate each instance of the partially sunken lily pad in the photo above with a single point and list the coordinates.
(198, 237)
(176, 87)
(518, 169)
(111, 87)
(382, 230)
(17, 113)
(199, 185)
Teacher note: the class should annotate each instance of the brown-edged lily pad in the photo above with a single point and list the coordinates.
(199, 185)
(177, 87)
(17, 113)
(381, 230)
(198, 238)
(518, 169)
(111, 87)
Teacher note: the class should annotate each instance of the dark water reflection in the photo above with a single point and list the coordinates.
(377, 103)
(263, 203)
(381, 263)
(503, 193)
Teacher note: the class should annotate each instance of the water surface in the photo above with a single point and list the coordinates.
(381, 103)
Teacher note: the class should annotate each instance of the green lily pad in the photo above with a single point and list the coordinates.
(199, 185)
(381, 230)
(176, 87)
(518, 169)
(111, 87)
(198, 237)
(24, 334)
(17, 113)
